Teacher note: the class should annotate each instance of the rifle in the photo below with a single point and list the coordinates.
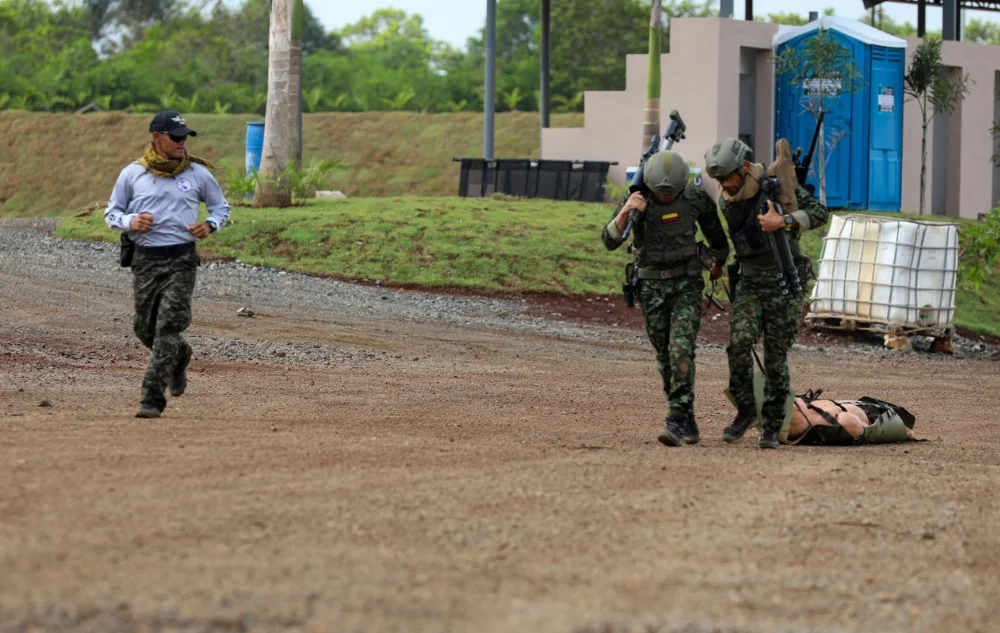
(675, 132)
(802, 166)
(788, 274)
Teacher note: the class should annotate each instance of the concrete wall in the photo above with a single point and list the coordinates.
(701, 79)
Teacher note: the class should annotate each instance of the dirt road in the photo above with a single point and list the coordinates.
(423, 476)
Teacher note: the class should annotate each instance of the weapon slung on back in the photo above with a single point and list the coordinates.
(802, 167)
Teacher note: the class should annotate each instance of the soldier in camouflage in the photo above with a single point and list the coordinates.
(759, 305)
(156, 200)
(670, 277)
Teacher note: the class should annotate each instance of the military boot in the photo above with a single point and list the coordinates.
(148, 411)
(746, 416)
(690, 435)
(674, 430)
(768, 438)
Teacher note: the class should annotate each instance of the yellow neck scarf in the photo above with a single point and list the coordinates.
(751, 185)
(169, 167)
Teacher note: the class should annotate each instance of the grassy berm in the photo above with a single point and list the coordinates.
(55, 163)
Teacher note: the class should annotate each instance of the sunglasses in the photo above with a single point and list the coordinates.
(175, 138)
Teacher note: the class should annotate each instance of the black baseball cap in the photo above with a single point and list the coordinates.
(172, 123)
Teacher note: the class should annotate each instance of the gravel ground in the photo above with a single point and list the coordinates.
(25, 242)
(344, 462)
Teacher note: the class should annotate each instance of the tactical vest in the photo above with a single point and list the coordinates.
(744, 229)
(668, 235)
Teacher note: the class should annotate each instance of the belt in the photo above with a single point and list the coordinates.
(174, 250)
(664, 273)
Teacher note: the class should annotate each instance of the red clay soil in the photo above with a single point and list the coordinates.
(467, 479)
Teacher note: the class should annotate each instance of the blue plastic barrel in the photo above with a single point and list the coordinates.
(629, 174)
(255, 145)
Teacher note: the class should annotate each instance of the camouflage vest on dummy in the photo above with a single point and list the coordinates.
(888, 424)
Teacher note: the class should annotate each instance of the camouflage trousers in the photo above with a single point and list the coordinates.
(759, 307)
(163, 287)
(672, 309)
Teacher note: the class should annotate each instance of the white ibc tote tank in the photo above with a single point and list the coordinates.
(886, 275)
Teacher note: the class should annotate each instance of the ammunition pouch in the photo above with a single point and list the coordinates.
(749, 241)
(630, 289)
(126, 251)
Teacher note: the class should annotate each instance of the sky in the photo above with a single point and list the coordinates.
(454, 21)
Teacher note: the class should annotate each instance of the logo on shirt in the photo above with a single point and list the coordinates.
(184, 184)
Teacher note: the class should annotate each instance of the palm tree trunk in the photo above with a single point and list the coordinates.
(651, 113)
(281, 120)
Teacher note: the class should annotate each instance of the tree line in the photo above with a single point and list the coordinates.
(210, 56)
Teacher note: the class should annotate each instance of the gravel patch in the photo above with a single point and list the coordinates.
(28, 242)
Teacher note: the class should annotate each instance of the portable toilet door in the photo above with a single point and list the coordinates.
(849, 173)
(885, 169)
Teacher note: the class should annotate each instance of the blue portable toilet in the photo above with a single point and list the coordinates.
(865, 169)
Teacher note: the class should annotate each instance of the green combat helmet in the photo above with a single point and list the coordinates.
(666, 173)
(726, 156)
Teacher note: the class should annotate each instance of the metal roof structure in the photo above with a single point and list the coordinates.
(950, 12)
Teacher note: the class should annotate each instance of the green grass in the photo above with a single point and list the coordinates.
(479, 244)
(488, 244)
(54, 164)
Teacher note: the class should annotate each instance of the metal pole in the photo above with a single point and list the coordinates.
(726, 9)
(921, 18)
(489, 96)
(748, 11)
(543, 94)
(949, 20)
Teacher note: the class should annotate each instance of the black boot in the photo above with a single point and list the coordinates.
(768, 438)
(674, 430)
(689, 434)
(746, 417)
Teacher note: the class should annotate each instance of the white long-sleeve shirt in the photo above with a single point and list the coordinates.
(173, 203)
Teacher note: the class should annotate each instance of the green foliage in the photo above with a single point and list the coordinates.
(615, 193)
(980, 253)
(931, 84)
(512, 98)
(935, 88)
(211, 56)
(401, 100)
(313, 98)
(304, 182)
(239, 185)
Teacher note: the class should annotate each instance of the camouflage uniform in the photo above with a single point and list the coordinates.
(760, 307)
(163, 287)
(671, 285)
